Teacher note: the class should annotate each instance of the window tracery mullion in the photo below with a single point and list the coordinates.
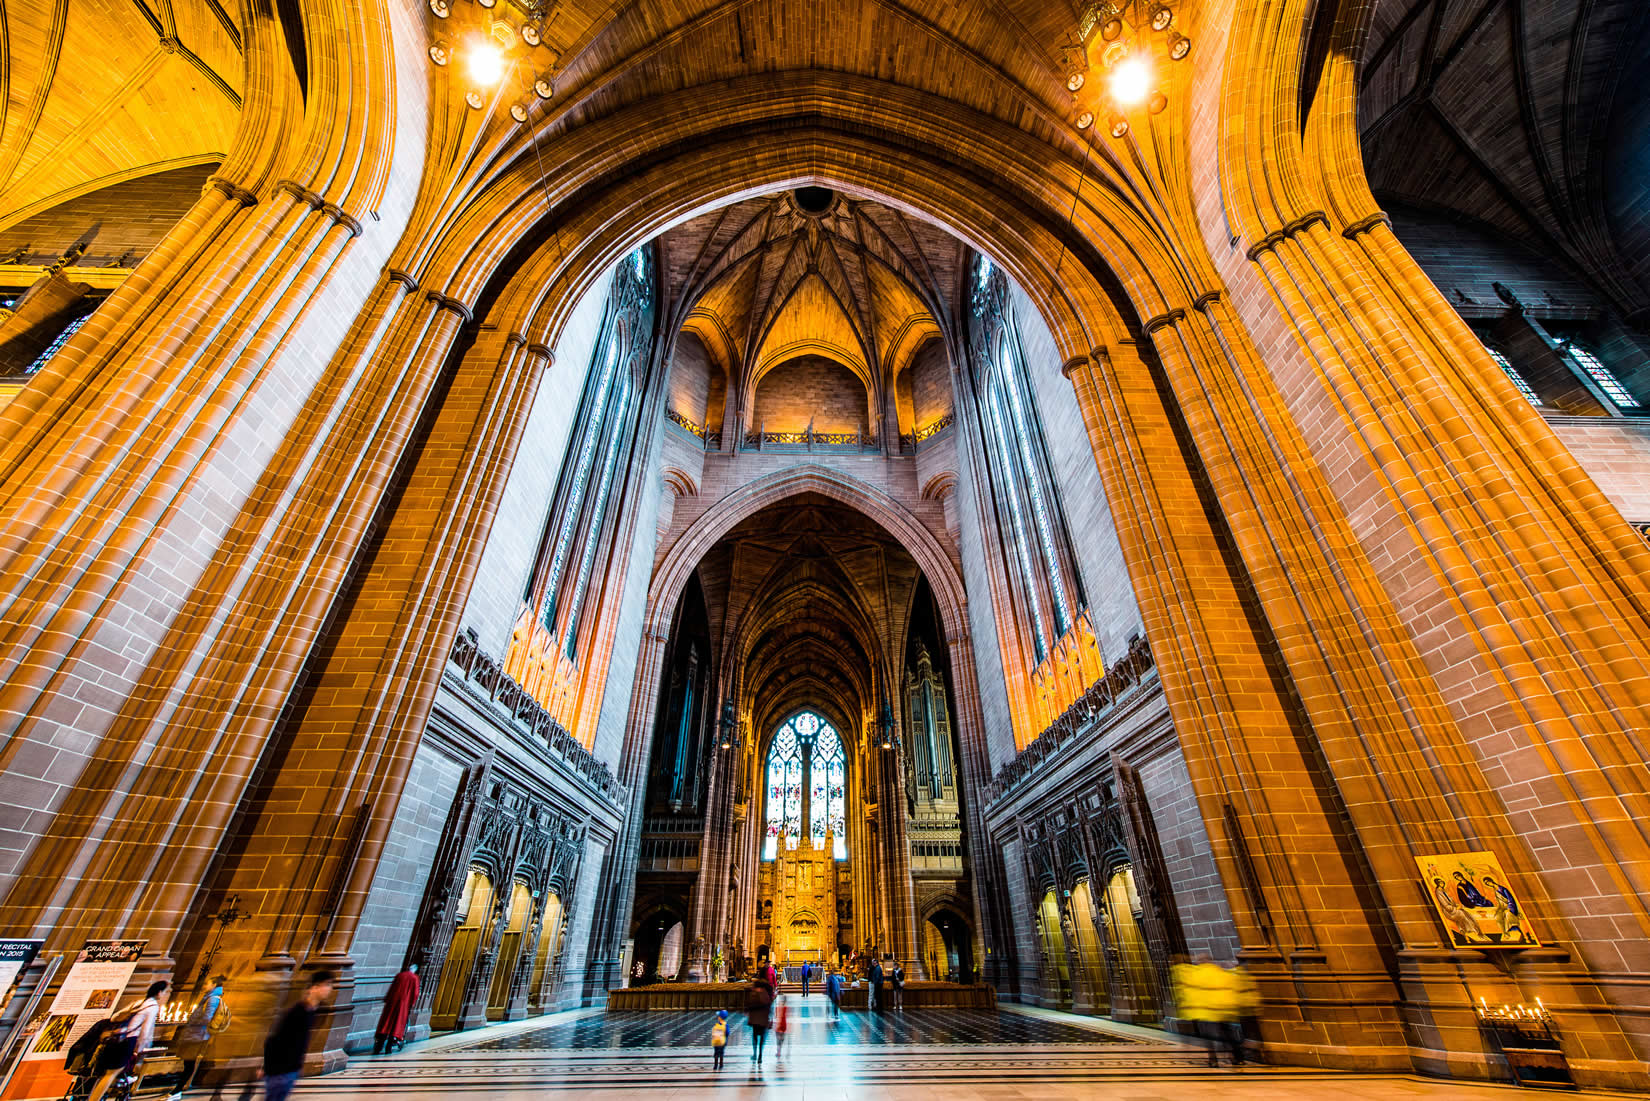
(598, 513)
(1016, 515)
(1019, 406)
(581, 477)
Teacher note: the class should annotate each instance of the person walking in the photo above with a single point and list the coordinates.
(390, 1035)
(288, 1042)
(833, 991)
(896, 987)
(1245, 1005)
(195, 1034)
(781, 1025)
(719, 1039)
(1200, 997)
(132, 1033)
(874, 976)
(758, 1000)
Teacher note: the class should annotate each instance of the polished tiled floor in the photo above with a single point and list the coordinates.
(1009, 1055)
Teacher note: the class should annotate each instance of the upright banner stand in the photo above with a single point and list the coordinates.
(91, 991)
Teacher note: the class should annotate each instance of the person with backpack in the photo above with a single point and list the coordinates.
(719, 1039)
(196, 1033)
(132, 1031)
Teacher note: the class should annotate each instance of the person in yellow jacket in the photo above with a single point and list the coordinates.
(1215, 999)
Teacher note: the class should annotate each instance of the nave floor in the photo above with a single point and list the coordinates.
(941, 1055)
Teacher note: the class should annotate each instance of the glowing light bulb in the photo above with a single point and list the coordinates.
(1131, 80)
(486, 64)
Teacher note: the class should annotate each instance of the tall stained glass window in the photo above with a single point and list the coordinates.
(784, 791)
(826, 810)
(807, 777)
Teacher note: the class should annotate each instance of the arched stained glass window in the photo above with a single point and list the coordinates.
(1603, 376)
(827, 802)
(807, 779)
(784, 791)
(1513, 376)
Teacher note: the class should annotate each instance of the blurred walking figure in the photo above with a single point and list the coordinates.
(719, 1039)
(288, 1043)
(390, 1035)
(758, 999)
(195, 1034)
(1205, 994)
(833, 992)
(132, 1031)
(1245, 998)
(781, 1025)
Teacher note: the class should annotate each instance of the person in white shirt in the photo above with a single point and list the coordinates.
(134, 1031)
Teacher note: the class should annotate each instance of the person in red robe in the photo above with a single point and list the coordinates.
(390, 1036)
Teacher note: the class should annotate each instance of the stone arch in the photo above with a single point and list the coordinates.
(679, 482)
(684, 554)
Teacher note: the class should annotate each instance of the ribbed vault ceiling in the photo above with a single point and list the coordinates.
(96, 93)
(1505, 111)
(762, 281)
(813, 599)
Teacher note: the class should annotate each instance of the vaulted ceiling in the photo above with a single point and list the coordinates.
(1529, 116)
(98, 92)
(814, 599)
(763, 281)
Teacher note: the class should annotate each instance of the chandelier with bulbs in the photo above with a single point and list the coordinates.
(1119, 46)
(492, 41)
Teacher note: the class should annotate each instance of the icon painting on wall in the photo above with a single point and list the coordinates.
(1473, 896)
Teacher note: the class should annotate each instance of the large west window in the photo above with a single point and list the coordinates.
(807, 782)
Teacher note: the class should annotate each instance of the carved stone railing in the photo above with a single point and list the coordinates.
(1119, 682)
(510, 698)
(909, 441)
(808, 438)
(680, 421)
(929, 431)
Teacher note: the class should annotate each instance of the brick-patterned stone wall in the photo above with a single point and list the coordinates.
(930, 374)
(1082, 499)
(130, 217)
(810, 389)
(690, 373)
(1199, 895)
(507, 562)
(1023, 900)
(1616, 452)
(392, 908)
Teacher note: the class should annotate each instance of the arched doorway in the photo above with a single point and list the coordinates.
(1136, 989)
(948, 947)
(475, 909)
(652, 932)
(1090, 957)
(549, 951)
(1056, 972)
(509, 950)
